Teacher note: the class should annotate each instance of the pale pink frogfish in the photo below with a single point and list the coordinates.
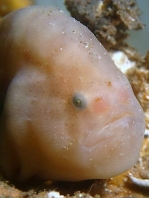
(68, 112)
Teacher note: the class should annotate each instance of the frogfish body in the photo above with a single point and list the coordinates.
(68, 112)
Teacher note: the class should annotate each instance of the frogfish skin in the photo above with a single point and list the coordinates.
(67, 113)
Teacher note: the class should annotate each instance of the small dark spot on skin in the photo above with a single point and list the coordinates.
(109, 83)
(98, 99)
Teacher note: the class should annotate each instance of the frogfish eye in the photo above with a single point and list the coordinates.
(79, 101)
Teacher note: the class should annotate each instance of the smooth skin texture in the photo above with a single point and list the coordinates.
(69, 113)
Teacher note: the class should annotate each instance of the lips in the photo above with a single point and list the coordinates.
(120, 124)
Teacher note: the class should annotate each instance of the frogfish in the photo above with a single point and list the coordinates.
(67, 112)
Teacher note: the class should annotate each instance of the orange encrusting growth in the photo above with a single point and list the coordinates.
(7, 6)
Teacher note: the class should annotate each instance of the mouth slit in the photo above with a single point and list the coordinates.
(103, 135)
(119, 117)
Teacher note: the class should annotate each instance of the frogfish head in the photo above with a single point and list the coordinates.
(69, 113)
